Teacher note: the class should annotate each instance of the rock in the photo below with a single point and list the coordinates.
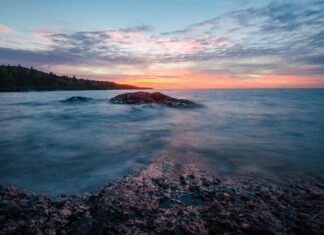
(165, 203)
(77, 99)
(169, 198)
(150, 98)
(60, 203)
(244, 226)
(182, 180)
(11, 210)
(65, 212)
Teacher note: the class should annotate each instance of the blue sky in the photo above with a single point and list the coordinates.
(230, 43)
(86, 15)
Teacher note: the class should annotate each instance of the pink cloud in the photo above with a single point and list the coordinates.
(183, 46)
(46, 31)
(122, 36)
(5, 29)
(141, 42)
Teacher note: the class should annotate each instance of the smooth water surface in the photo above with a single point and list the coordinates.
(54, 147)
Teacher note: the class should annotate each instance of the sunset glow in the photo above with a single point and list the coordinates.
(205, 81)
(241, 45)
(161, 117)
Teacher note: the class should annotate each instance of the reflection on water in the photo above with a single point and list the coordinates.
(54, 147)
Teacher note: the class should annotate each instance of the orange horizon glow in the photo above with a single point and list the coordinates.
(188, 78)
(194, 80)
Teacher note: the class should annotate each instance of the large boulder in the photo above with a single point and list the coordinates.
(150, 98)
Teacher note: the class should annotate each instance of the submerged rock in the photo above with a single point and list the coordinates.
(76, 99)
(150, 98)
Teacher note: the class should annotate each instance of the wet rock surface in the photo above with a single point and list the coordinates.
(77, 99)
(167, 198)
(23, 212)
(150, 98)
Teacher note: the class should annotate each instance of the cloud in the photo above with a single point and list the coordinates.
(289, 32)
(141, 28)
(79, 48)
(276, 16)
(5, 29)
(281, 38)
(27, 57)
(181, 31)
(314, 60)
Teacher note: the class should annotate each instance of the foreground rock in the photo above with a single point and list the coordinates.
(150, 98)
(23, 212)
(168, 198)
(77, 99)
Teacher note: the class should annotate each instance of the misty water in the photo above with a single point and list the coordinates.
(52, 147)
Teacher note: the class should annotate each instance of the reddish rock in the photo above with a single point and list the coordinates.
(150, 98)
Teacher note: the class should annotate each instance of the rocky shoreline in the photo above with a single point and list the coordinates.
(170, 198)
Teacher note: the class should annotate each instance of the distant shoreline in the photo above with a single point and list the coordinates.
(18, 78)
(46, 90)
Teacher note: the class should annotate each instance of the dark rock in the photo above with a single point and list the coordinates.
(150, 98)
(77, 99)
(11, 210)
(165, 203)
(188, 200)
(164, 199)
(244, 226)
(182, 180)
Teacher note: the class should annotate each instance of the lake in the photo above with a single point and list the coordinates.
(52, 147)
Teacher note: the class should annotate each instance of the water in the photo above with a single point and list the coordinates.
(53, 147)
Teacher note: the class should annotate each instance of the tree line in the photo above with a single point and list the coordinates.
(18, 78)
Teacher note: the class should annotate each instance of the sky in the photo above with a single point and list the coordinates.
(169, 43)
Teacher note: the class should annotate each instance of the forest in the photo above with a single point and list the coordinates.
(18, 78)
